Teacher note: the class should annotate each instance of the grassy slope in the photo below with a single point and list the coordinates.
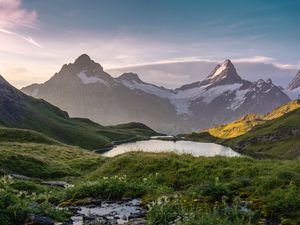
(24, 136)
(246, 123)
(18, 110)
(273, 138)
(271, 188)
(203, 186)
(43, 117)
(46, 161)
(274, 135)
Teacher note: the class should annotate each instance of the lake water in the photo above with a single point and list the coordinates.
(180, 147)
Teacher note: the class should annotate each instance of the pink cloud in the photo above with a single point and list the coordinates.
(13, 15)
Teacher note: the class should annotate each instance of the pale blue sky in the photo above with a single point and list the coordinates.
(38, 36)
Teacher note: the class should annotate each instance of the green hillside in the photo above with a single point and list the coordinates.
(246, 123)
(274, 135)
(277, 138)
(44, 160)
(18, 110)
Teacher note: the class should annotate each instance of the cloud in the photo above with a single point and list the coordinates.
(264, 59)
(12, 15)
(254, 59)
(28, 39)
(31, 41)
(288, 66)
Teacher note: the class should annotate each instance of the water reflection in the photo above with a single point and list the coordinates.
(189, 147)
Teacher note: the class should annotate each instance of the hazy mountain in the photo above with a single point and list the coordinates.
(21, 111)
(83, 89)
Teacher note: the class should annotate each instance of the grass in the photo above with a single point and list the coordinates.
(207, 189)
(274, 136)
(248, 122)
(24, 136)
(46, 161)
(189, 190)
(24, 112)
(273, 139)
(79, 132)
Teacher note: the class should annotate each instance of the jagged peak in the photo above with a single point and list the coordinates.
(224, 73)
(130, 77)
(269, 81)
(224, 70)
(84, 60)
(263, 82)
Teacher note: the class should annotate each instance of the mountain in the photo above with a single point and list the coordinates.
(174, 74)
(83, 89)
(21, 111)
(273, 135)
(295, 82)
(246, 123)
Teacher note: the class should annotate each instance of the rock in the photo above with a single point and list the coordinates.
(134, 216)
(39, 220)
(97, 221)
(62, 184)
(138, 221)
(20, 177)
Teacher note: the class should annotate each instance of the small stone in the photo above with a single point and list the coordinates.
(39, 220)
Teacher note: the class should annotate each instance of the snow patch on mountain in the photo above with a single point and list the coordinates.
(91, 79)
(148, 88)
(212, 93)
(220, 70)
(182, 99)
(239, 99)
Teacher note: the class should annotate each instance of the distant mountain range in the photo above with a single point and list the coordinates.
(84, 89)
(174, 74)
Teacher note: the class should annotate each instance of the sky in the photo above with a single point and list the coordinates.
(38, 36)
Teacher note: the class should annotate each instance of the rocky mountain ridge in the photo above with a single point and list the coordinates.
(83, 89)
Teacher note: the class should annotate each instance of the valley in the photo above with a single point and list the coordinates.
(57, 169)
(138, 112)
(173, 181)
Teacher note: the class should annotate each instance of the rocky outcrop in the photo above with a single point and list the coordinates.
(281, 133)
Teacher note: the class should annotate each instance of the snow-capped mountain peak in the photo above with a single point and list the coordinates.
(224, 74)
(220, 68)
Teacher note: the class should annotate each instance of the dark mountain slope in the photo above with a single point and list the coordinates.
(21, 111)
